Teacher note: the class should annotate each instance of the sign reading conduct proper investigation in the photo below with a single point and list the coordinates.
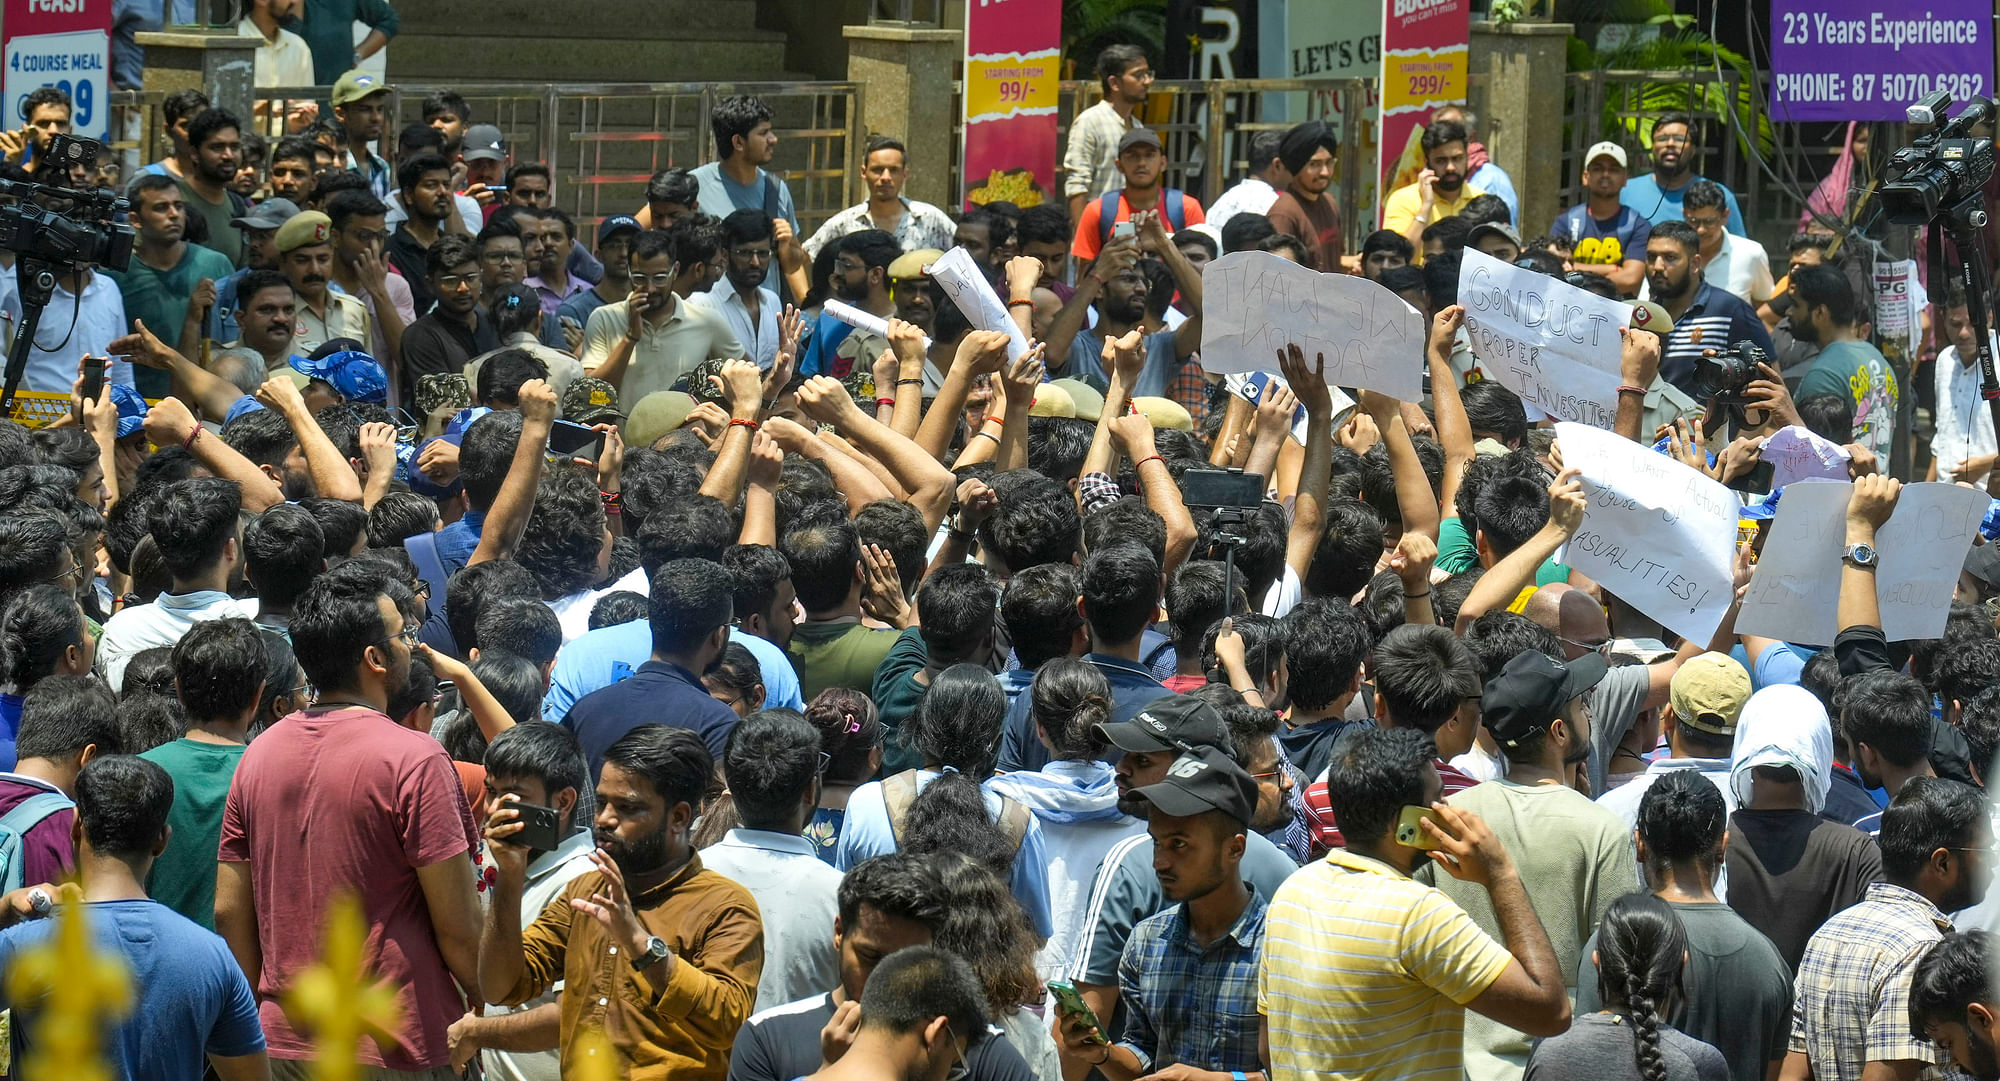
(1871, 59)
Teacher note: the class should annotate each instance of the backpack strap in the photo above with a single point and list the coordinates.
(1575, 216)
(1176, 201)
(898, 793)
(429, 561)
(1107, 216)
(1014, 819)
(30, 812)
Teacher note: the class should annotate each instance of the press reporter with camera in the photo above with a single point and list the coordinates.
(58, 233)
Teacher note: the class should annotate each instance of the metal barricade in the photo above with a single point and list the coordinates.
(1739, 151)
(1206, 126)
(602, 141)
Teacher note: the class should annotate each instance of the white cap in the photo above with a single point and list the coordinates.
(1607, 148)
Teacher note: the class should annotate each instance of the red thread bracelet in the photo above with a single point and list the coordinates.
(750, 424)
(885, 401)
(1148, 458)
(188, 443)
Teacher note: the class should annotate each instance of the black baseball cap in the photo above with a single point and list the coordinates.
(1141, 137)
(1202, 780)
(1177, 720)
(1532, 690)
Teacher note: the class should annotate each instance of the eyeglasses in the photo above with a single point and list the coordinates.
(657, 281)
(1600, 648)
(1143, 76)
(751, 255)
(959, 1069)
(454, 282)
(69, 576)
(409, 634)
(1279, 772)
(503, 257)
(1671, 140)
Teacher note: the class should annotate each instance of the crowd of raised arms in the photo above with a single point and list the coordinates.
(670, 669)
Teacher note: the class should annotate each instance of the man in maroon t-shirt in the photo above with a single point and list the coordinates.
(340, 800)
(65, 722)
(1306, 209)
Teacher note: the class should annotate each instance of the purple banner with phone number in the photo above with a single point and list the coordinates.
(1872, 59)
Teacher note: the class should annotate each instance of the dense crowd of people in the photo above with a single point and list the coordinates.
(674, 664)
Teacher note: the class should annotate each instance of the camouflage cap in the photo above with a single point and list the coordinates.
(442, 390)
(697, 385)
(591, 401)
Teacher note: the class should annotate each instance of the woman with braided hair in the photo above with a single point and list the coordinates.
(1641, 947)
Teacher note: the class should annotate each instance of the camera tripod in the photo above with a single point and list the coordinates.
(1964, 224)
(36, 279)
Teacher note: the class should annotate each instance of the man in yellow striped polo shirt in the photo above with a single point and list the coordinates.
(1367, 973)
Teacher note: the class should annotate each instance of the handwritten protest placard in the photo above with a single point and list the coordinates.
(1255, 303)
(860, 320)
(1555, 345)
(1796, 453)
(961, 280)
(1795, 591)
(1794, 595)
(1657, 533)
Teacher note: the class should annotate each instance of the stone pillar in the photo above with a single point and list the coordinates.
(900, 68)
(1524, 65)
(219, 63)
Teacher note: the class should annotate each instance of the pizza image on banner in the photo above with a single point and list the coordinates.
(1013, 53)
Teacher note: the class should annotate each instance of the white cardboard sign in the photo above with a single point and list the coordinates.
(1657, 533)
(1555, 345)
(1794, 595)
(961, 280)
(1254, 304)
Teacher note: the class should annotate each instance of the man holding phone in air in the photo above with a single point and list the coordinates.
(538, 767)
(1142, 161)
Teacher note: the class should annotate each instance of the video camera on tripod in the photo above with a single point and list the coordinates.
(53, 229)
(1936, 182)
(1941, 168)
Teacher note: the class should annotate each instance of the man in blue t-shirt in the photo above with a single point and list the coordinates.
(1601, 217)
(190, 1002)
(1705, 317)
(744, 144)
(1657, 195)
(1118, 287)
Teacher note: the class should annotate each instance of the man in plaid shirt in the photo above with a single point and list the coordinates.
(1188, 976)
(1851, 1008)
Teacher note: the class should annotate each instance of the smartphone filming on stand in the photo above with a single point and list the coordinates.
(93, 377)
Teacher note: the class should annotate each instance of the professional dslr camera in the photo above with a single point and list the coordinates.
(61, 225)
(1942, 168)
(1723, 377)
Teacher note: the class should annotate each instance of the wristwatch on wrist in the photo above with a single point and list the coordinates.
(1860, 555)
(656, 951)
